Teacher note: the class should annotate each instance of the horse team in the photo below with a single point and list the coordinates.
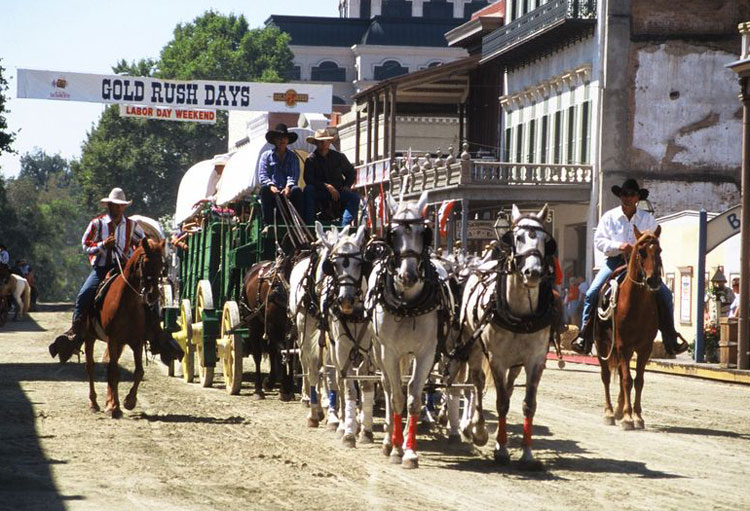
(358, 307)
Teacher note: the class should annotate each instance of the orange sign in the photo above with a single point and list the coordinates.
(290, 97)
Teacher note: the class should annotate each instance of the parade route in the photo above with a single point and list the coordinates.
(189, 448)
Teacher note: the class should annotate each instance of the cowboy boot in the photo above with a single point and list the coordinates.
(64, 346)
(669, 334)
(582, 344)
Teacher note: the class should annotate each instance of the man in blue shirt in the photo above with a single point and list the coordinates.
(278, 172)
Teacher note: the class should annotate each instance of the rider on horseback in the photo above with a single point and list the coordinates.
(107, 238)
(614, 237)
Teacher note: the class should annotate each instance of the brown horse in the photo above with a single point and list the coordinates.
(122, 321)
(266, 295)
(636, 321)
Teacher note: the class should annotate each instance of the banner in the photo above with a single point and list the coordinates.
(168, 114)
(196, 94)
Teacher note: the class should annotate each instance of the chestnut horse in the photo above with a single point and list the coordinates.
(636, 321)
(266, 294)
(121, 321)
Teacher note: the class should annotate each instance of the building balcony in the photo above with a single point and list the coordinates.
(462, 177)
(549, 26)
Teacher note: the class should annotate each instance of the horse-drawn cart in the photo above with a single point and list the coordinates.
(220, 237)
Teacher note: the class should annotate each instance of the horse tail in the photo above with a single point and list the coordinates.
(26, 295)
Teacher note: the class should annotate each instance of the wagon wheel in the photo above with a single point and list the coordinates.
(183, 336)
(231, 352)
(204, 300)
(167, 299)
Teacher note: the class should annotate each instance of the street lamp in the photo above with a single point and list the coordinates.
(742, 68)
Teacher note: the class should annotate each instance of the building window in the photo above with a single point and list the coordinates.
(519, 143)
(531, 154)
(364, 9)
(437, 9)
(570, 148)
(338, 100)
(543, 139)
(328, 72)
(585, 132)
(396, 8)
(557, 146)
(507, 145)
(390, 69)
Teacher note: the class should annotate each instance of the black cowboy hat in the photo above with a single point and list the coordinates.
(630, 185)
(281, 130)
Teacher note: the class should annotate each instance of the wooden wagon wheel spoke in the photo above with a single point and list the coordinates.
(184, 337)
(204, 301)
(231, 348)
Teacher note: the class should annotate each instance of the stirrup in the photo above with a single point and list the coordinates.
(580, 346)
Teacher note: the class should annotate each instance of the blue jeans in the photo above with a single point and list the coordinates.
(663, 295)
(86, 295)
(268, 203)
(349, 199)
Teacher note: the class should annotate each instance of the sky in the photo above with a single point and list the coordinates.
(91, 36)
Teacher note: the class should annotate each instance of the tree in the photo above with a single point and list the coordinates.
(40, 167)
(148, 157)
(6, 137)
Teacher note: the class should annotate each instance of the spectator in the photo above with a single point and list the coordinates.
(571, 302)
(734, 307)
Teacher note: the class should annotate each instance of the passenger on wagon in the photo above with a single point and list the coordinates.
(278, 172)
(615, 238)
(328, 179)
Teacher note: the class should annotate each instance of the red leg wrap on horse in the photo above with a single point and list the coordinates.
(527, 424)
(411, 432)
(398, 435)
(502, 433)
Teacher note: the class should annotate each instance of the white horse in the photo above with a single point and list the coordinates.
(305, 289)
(349, 332)
(20, 289)
(508, 307)
(405, 297)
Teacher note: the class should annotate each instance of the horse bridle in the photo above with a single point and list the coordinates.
(642, 272)
(347, 280)
(516, 256)
(147, 282)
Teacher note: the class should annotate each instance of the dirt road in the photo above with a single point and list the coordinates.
(189, 448)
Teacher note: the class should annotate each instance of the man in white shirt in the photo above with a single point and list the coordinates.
(615, 238)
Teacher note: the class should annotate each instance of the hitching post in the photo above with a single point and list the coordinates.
(700, 292)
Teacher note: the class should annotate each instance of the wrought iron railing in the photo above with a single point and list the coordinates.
(546, 15)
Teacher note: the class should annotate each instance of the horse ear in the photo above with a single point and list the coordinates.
(145, 245)
(542, 215)
(321, 234)
(657, 232)
(422, 203)
(392, 204)
(515, 213)
(637, 233)
(359, 238)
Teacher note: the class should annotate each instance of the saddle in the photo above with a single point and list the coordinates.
(104, 285)
(608, 294)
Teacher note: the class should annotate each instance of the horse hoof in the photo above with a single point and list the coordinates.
(619, 415)
(258, 396)
(454, 439)
(501, 457)
(94, 407)
(321, 415)
(312, 423)
(609, 420)
(627, 425)
(285, 397)
(479, 437)
(129, 404)
(349, 441)
(332, 426)
(639, 424)
(115, 413)
(387, 448)
(532, 465)
(394, 458)
(410, 463)
(365, 437)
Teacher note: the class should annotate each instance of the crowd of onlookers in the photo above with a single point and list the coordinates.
(573, 300)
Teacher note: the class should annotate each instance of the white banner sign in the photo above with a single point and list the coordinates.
(197, 94)
(168, 114)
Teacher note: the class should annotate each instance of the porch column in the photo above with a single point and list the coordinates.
(357, 134)
(464, 223)
(386, 125)
(461, 114)
(376, 135)
(393, 121)
(369, 129)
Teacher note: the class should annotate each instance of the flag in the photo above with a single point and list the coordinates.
(443, 213)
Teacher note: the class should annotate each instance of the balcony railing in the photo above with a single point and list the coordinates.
(428, 173)
(544, 17)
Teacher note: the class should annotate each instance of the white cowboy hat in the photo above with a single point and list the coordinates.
(322, 134)
(116, 196)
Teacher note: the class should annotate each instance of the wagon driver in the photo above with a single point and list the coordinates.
(278, 172)
(615, 238)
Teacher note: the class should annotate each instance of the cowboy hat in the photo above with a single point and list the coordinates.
(280, 130)
(322, 134)
(116, 196)
(630, 186)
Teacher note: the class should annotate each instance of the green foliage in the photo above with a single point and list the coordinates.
(147, 158)
(6, 137)
(42, 222)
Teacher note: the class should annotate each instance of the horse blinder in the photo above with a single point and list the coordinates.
(328, 268)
